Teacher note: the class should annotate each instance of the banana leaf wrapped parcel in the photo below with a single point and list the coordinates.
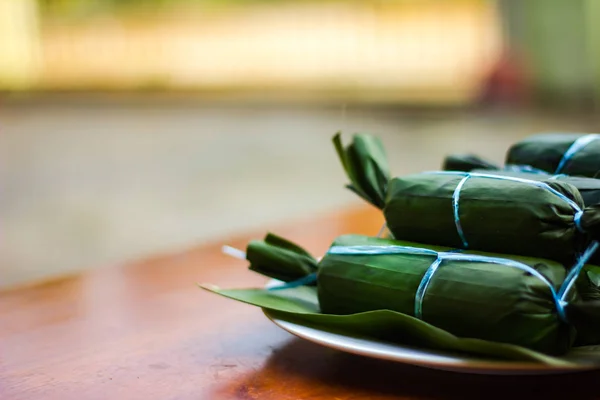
(485, 212)
(552, 153)
(558, 153)
(520, 301)
(473, 162)
(589, 188)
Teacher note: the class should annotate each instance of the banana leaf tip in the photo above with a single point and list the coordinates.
(208, 286)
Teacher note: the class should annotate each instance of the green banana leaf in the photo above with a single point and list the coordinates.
(485, 302)
(467, 163)
(585, 310)
(366, 165)
(280, 259)
(589, 188)
(547, 151)
(300, 305)
(495, 215)
(465, 297)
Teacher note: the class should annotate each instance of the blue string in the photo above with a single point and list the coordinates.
(555, 177)
(560, 297)
(523, 168)
(379, 250)
(575, 271)
(577, 220)
(456, 195)
(306, 280)
(420, 295)
(447, 255)
(577, 145)
(455, 198)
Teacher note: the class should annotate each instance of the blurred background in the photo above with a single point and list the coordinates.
(132, 128)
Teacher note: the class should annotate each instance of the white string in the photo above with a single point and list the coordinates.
(233, 252)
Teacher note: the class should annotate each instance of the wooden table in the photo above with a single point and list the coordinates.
(145, 331)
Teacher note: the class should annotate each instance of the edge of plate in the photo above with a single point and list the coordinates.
(421, 357)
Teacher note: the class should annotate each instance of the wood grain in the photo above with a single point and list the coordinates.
(145, 331)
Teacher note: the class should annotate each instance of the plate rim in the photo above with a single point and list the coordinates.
(442, 361)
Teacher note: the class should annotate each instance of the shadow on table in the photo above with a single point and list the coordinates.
(301, 369)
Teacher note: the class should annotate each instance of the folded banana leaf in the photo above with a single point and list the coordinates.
(433, 296)
(484, 212)
(558, 153)
(467, 163)
(300, 305)
(584, 311)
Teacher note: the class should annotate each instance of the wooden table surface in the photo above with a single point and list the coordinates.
(145, 331)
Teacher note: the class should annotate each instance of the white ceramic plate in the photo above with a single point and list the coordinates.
(420, 357)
